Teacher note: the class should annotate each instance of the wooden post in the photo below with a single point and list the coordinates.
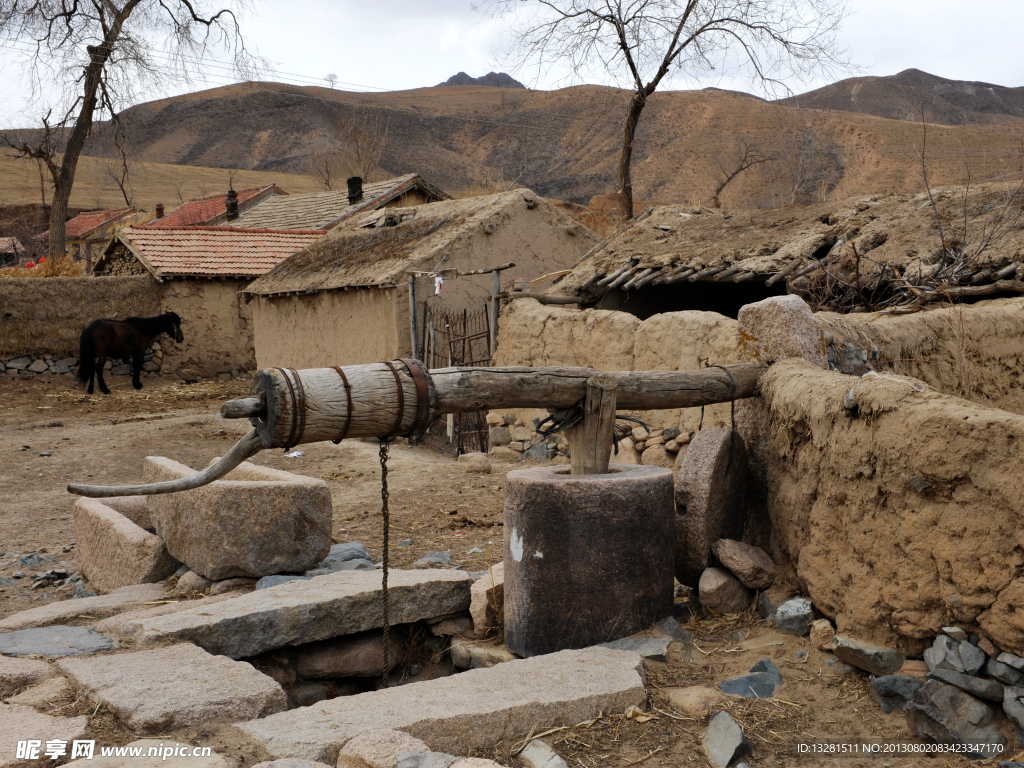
(414, 336)
(495, 290)
(590, 443)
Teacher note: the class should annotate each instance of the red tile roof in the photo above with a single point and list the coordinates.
(207, 210)
(85, 224)
(213, 251)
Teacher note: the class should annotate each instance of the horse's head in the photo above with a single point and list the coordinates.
(175, 326)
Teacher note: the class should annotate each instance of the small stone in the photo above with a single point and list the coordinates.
(476, 654)
(944, 654)
(340, 553)
(765, 607)
(19, 673)
(915, 668)
(670, 626)
(695, 700)
(381, 748)
(877, 661)
(972, 656)
(893, 691)
(1004, 673)
(357, 655)
(801, 655)
(767, 667)
(53, 641)
(192, 582)
(657, 456)
(757, 686)
(956, 633)
(405, 543)
(822, 633)
(841, 667)
(495, 419)
(226, 585)
(1014, 710)
(986, 645)
(272, 581)
(436, 558)
(751, 565)
(538, 754)
(653, 648)
(794, 617)
(487, 601)
(640, 434)
(475, 463)
(721, 592)
(425, 760)
(459, 626)
(724, 742)
(1014, 661)
(976, 686)
(42, 695)
(672, 433)
(516, 445)
(539, 451)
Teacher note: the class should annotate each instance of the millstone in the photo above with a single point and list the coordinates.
(588, 558)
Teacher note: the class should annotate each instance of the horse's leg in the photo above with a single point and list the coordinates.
(137, 368)
(92, 375)
(99, 375)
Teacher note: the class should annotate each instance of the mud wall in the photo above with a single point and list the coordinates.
(530, 333)
(901, 513)
(216, 323)
(973, 351)
(328, 328)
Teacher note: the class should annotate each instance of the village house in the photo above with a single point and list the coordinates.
(324, 210)
(202, 270)
(12, 252)
(346, 299)
(88, 233)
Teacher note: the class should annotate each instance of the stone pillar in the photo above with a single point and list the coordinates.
(588, 558)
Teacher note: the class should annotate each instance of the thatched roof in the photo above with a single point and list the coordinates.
(895, 234)
(380, 248)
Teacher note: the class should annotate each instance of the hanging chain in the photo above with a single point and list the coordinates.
(386, 640)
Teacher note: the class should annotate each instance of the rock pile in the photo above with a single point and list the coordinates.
(47, 364)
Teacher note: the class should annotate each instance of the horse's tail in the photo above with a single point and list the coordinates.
(86, 356)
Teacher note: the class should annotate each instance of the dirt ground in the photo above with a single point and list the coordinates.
(436, 505)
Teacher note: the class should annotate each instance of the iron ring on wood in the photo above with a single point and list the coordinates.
(422, 382)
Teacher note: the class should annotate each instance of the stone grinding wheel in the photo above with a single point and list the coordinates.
(588, 558)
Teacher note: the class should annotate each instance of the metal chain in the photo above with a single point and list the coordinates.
(386, 640)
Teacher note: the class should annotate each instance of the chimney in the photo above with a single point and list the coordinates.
(232, 205)
(355, 189)
(159, 210)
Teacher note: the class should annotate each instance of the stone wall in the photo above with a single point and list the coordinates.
(47, 365)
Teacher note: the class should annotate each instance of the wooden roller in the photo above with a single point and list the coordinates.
(401, 398)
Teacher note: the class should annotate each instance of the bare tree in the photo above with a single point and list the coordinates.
(326, 166)
(808, 165)
(117, 156)
(100, 54)
(362, 138)
(331, 79)
(742, 156)
(645, 40)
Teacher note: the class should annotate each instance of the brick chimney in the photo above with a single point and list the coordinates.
(355, 189)
(159, 210)
(232, 205)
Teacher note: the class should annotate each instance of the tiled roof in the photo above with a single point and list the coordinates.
(209, 210)
(324, 210)
(11, 245)
(212, 251)
(85, 224)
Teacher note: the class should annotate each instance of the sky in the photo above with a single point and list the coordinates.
(401, 44)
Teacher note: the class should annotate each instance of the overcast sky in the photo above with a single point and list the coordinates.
(400, 44)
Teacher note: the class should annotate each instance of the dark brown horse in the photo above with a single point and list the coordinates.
(124, 339)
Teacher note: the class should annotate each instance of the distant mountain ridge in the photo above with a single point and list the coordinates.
(493, 79)
(900, 96)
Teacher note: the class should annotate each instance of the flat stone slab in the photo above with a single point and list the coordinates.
(117, 601)
(471, 710)
(176, 687)
(19, 673)
(19, 723)
(53, 641)
(47, 692)
(653, 648)
(138, 755)
(760, 685)
(300, 612)
(116, 625)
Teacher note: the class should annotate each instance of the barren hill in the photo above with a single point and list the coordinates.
(952, 102)
(564, 143)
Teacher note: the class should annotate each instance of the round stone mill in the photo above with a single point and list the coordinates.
(589, 550)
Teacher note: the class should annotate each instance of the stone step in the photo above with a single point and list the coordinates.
(465, 712)
(298, 612)
(101, 605)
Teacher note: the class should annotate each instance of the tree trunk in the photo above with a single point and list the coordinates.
(636, 106)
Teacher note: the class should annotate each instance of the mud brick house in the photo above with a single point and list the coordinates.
(201, 271)
(345, 299)
(87, 234)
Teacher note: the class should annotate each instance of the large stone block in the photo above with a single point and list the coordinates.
(180, 686)
(19, 673)
(113, 552)
(262, 522)
(465, 712)
(488, 601)
(18, 723)
(710, 494)
(118, 600)
(300, 612)
(778, 328)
